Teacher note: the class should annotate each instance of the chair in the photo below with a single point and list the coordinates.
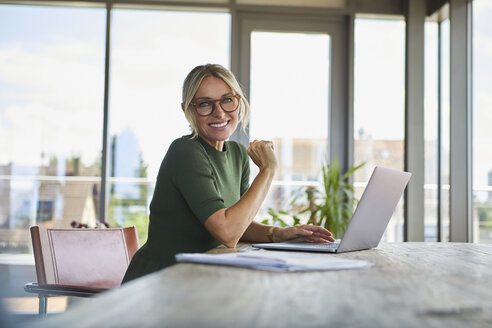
(79, 262)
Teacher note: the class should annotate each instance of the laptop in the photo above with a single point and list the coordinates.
(370, 218)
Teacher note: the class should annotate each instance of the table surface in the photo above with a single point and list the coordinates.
(409, 285)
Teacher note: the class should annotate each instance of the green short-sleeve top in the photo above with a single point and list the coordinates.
(194, 181)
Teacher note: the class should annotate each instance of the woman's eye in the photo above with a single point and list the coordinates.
(226, 100)
(203, 104)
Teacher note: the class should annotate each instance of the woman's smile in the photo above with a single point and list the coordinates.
(219, 125)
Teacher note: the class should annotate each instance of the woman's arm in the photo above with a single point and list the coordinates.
(228, 225)
(236, 222)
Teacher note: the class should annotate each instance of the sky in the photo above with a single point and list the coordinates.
(289, 85)
(379, 81)
(50, 75)
(52, 79)
(57, 79)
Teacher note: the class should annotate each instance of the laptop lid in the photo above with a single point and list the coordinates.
(375, 208)
(370, 218)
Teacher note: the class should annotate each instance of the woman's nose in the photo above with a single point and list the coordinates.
(217, 111)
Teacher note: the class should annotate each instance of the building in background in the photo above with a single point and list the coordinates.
(33, 196)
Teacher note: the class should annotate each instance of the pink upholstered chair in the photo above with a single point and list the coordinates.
(79, 262)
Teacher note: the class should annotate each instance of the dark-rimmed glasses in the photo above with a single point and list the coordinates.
(205, 107)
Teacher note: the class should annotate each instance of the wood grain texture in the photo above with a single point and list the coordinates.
(409, 285)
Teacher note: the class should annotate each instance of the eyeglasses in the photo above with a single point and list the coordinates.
(205, 107)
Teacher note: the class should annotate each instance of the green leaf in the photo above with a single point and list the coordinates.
(304, 211)
(282, 222)
(297, 221)
(352, 170)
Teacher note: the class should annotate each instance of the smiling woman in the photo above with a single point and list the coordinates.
(202, 196)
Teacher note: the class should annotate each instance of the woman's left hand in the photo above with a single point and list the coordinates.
(303, 233)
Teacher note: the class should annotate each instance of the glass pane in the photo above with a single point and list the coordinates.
(445, 128)
(482, 134)
(51, 105)
(290, 107)
(379, 104)
(431, 131)
(152, 51)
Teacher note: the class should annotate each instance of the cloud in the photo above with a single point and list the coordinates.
(482, 44)
(379, 79)
(33, 129)
(56, 103)
(481, 6)
(60, 69)
(301, 106)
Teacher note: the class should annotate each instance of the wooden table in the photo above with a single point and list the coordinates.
(409, 285)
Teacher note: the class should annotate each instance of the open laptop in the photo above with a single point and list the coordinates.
(367, 226)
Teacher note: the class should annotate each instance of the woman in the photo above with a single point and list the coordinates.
(202, 196)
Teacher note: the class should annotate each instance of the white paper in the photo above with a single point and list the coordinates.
(276, 261)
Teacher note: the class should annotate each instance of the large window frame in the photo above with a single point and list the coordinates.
(454, 194)
(338, 122)
(460, 16)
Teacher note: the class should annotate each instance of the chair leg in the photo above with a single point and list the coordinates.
(43, 305)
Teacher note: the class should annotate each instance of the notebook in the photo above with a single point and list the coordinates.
(370, 218)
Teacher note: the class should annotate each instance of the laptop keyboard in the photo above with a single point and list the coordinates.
(323, 245)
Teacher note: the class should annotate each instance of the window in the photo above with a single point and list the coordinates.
(431, 121)
(379, 104)
(482, 133)
(51, 101)
(152, 51)
(445, 127)
(45, 210)
(290, 107)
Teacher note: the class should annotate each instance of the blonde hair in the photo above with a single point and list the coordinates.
(192, 83)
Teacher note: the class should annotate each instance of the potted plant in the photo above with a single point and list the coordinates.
(331, 205)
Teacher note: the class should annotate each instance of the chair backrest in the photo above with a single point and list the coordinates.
(95, 258)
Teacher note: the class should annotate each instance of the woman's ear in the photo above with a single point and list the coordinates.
(183, 107)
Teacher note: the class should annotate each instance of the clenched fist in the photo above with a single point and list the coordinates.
(262, 154)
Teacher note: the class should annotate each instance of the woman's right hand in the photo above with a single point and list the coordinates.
(262, 154)
(307, 233)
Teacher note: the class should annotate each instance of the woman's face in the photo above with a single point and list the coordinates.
(219, 125)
